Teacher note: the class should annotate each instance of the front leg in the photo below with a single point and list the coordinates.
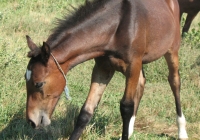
(128, 104)
(102, 74)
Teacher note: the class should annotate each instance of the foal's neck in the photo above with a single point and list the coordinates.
(89, 39)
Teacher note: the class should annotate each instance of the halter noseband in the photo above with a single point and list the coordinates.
(66, 88)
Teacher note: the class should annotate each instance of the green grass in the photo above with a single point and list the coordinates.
(156, 119)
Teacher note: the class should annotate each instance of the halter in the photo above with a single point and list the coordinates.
(66, 88)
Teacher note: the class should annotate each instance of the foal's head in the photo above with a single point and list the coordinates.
(44, 84)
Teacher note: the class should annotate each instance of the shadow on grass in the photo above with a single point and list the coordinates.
(59, 128)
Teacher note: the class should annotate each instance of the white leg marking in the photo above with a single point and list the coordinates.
(131, 127)
(181, 122)
(28, 74)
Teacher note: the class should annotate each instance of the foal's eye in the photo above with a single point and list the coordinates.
(39, 84)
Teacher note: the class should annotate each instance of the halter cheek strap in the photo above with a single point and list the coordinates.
(66, 88)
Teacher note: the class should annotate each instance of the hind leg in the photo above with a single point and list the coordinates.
(174, 81)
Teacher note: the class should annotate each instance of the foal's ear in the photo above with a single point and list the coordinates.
(45, 52)
(30, 43)
(35, 51)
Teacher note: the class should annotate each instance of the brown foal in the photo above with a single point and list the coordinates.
(120, 35)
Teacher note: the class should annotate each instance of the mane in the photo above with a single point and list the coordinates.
(76, 16)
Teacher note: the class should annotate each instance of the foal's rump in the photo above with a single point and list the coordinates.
(162, 27)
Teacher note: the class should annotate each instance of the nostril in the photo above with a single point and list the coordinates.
(32, 123)
(41, 120)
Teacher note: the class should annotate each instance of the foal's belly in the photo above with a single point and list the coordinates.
(154, 55)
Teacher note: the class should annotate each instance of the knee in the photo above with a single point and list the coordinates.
(83, 118)
(126, 110)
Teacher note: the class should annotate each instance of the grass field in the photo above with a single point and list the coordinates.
(156, 119)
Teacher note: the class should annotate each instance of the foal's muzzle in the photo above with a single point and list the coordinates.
(38, 119)
(31, 123)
